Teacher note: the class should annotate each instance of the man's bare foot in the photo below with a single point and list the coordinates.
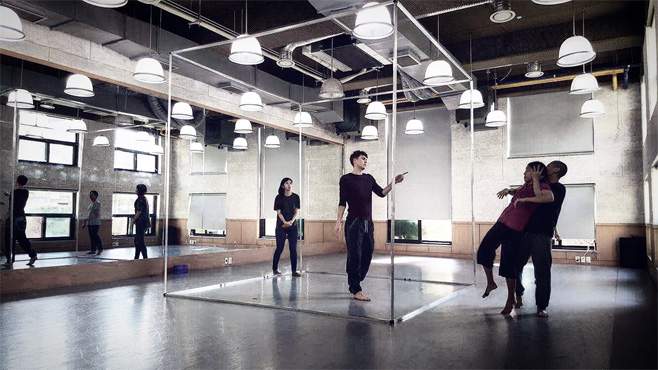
(361, 296)
(508, 308)
(488, 290)
(542, 313)
(519, 301)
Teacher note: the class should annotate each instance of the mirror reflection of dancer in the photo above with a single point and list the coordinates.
(21, 194)
(141, 220)
(508, 231)
(93, 223)
(356, 190)
(286, 205)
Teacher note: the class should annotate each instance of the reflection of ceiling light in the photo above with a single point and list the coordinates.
(77, 126)
(331, 89)
(302, 119)
(363, 97)
(196, 147)
(182, 111)
(592, 108)
(471, 95)
(46, 106)
(251, 102)
(187, 132)
(246, 50)
(502, 12)
(32, 132)
(79, 85)
(272, 142)
(11, 27)
(496, 118)
(286, 61)
(438, 73)
(550, 2)
(157, 149)
(414, 127)
(240, 143)
(369, 133)
(21, 99)
(143, 136)
(149, 70)
(534, 70)
(575, 51)
(376, 111)
(243, 126)
(101, 140)
(107, 3)
(584, 84)
(372, 22)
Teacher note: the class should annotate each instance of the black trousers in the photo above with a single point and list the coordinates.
(500, 234)
(94, 239)
(360, 241)
(140, 245)
(20, 225)
(281, 236)
(539, 247)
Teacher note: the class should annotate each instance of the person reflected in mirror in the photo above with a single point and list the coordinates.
(286, 206)
(356, 190)
(21, 194)
(141, 221)
(93, 223)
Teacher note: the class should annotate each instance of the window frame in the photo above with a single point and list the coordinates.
(419, 240)
(130, 226)
(75, 145)
(134, 154)
(261, 229)
(46, 216)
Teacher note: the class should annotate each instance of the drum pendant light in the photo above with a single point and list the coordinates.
(439, 72)
(148, 70)
(373, 22)
(376, 111)
(246, 49)
(414, 125)
(471, 97)
(302, 119)
(576, 50)
(331, 87)
(496, 118)
(11, 27)
(272, 142)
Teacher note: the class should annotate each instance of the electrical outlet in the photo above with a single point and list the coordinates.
(192, 241)
(226, 261)
(115, 244)
(577, 259)
(230, 260)
(588, 259)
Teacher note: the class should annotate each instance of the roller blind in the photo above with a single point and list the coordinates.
(577, 216)
(212, 161)
(207, 212)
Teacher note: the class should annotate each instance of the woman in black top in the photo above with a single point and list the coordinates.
(286, 205)
(141, 220)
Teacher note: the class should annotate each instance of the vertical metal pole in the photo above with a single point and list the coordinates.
(391, 153)
(167, 173)
(473, 238)
(301, 191)
(259, 177)
(77, 218)
(14, 156)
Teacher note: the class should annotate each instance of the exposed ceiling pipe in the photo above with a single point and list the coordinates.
(455, 8)
(179, 11)
(286, 54)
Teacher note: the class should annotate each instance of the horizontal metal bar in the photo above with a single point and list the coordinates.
(430, 306)
(397, 279)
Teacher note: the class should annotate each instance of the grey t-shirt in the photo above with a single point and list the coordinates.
(94, 217)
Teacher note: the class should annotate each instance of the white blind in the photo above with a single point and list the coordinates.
(207, 212)
(211, 161)
(577, 216)
(277, 164)
(425, 193)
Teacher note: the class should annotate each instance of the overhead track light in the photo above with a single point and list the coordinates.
(373, 22)
(11, 27)
(534, 70)
(79, 85)
(502, 11)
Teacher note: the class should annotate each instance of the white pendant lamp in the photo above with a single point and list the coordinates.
(149, 70)
(363, 97)
(77, 126)
(584, 84)
(272, 142)
(534, 70)
(196, 147)
(414, 127)
(331, 87)
(101, 140)
(469, 96)
(79, 85)
(302, 119)
(502, 11)
(240, 143)
(496, 118)
(107, 3)
(157, 149)
(20, 98)
(373, 22)
(550, 2)
(11, 27)
(592, 108)
(246, 50)
(143, 137)
(243, 126)
(376, 111)
(187, 132)
(369, 133)
(251, 102)
(182, 111)
(439, 72)
(575, 51)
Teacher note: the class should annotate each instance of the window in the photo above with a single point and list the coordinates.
(267, 228)
(130, 154)
(576, 224)
(123, 210)
(207, 214)
(50, 214)
(56, 146)
(422, 231)
(212, 161)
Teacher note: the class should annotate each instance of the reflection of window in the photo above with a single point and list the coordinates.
(211, 161)
(207, 214)
(55, 147)
(123, 210)
(422, 231)
(50, 214)
(130, 154)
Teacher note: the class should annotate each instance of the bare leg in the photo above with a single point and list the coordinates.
(491, 284)
(509, 305)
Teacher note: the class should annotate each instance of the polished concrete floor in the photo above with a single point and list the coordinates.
(601, 317)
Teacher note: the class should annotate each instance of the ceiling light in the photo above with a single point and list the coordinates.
(156, 149)
(46, 106)
(584, 84)
(502, 12)
(196, 147)
(187, 132)
(101, 140)
(592, 108)
(272, 142)
(363, 97)
(438, 73)
(372, 22)
(414, 127)
(246, 50)
(550, 2)
(77, 126)
(21, 99)
(182, 111)
(79, 85)
(376, 111)
(369, 133)
(107, 3)
(302, 119)
(240, 143)
(471, 95)
(534, 70)
(286, 59)
(575, 51)
(331, 89)
(496, 118)
(251, 102)
(149, 70)
(11, 27)
(243, 126)
(143, 136)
